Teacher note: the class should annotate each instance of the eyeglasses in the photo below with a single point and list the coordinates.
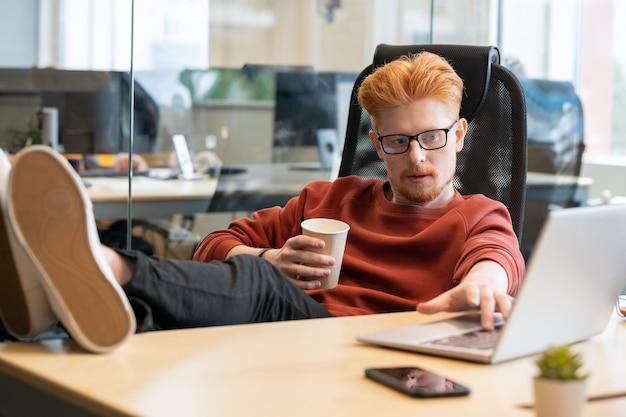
(428, 140)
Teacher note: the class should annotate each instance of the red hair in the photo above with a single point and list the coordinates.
(409, 78)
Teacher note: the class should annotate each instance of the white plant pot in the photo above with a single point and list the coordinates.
(556, 398)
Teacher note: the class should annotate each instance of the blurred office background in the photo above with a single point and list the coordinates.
(252, 81)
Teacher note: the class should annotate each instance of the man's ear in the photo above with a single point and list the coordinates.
(376, 143)
(460, 131)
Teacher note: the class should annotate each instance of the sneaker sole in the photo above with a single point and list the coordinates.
(24, 307)
(56, 225)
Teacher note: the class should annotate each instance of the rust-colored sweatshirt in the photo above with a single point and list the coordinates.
(396, 255)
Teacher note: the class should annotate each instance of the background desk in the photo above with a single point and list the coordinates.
(298, 368)
(267, 185)
(264, 185)
(258, 186)
(152, 198)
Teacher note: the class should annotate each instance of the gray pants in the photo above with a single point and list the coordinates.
(174, 294)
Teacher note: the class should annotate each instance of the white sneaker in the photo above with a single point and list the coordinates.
(24, 307)
(53, 218)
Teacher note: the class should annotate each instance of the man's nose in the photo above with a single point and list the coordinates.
(416, 153)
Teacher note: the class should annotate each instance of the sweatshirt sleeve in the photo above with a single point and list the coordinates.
(267, 228)
(264, 230)
(492, 238)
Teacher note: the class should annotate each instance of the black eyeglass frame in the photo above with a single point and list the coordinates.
(415, 138)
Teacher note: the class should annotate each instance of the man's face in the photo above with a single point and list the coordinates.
(418, 176)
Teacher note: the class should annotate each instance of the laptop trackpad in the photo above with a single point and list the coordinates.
(421, 333)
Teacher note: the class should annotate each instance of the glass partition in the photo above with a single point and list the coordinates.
(266, 83)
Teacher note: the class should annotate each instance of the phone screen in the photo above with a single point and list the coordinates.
(416, 382)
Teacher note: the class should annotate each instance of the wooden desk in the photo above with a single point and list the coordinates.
(298, 368)
(151, 198)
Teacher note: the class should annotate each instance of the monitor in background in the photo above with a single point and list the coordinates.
(91, 107)
(88, 105)
(308, 105)
(345, 84)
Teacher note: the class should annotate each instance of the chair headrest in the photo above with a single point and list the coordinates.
(472, 63)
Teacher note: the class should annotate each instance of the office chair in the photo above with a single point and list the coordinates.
(494, 157)
(555, 146)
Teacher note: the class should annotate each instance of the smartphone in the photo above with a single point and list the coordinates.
(417, 382)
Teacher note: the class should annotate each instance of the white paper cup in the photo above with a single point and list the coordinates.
(334, 234)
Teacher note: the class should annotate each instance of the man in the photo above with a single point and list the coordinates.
(413, 240)
(430, 236)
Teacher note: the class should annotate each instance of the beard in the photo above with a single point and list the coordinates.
(423, 193)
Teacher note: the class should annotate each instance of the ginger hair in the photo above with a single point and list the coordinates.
(410, 78)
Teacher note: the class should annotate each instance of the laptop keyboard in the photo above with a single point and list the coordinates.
(478, 339)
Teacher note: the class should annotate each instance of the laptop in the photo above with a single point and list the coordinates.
(575, 274)
(187, 170)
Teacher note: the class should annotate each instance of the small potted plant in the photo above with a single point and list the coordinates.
(560, 385)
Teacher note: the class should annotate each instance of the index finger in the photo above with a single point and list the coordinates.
(305, 242)
(487, 309)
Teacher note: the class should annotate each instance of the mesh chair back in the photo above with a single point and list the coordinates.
(494, 157)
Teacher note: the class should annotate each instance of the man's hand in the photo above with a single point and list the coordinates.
(122, 162)
(483, 287)
(298, 263)
(296, 260)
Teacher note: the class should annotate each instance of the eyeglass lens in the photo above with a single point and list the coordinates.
(433, 139)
